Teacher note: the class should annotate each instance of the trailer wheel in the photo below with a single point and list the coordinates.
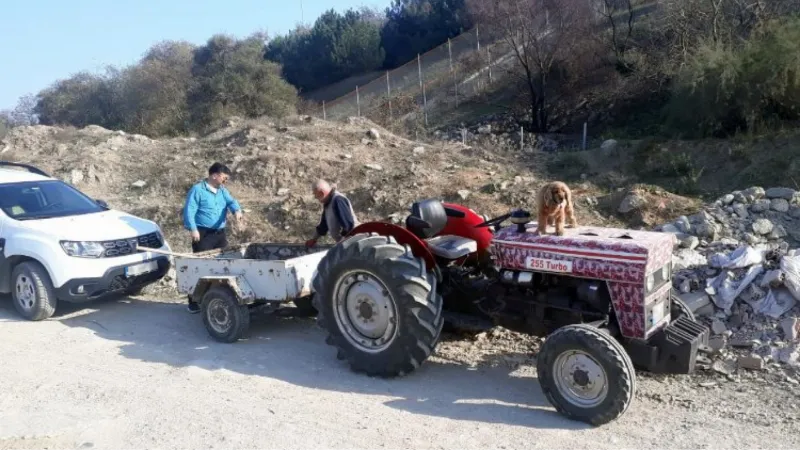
(678, 307)
(586, 374)
(378, 304)
(225, 319)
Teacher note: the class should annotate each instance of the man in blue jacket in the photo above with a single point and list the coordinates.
(205, 213)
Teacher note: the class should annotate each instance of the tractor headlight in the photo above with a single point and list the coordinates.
(651, 281)
(83, 249)
(665, 275)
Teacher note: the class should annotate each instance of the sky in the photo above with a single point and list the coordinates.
(48, 40)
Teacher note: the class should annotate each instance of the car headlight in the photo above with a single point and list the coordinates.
(83, 249)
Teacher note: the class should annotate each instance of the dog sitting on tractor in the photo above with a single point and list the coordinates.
(601, 296)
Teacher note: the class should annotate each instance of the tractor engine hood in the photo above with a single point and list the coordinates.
(612, 254)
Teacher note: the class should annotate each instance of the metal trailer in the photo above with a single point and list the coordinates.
(228, 284)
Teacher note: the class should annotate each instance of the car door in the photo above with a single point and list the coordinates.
(5, 271)
(3, 220)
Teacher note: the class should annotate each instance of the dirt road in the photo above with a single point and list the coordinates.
(144, 374)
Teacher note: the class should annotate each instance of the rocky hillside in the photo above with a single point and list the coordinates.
(274, 164)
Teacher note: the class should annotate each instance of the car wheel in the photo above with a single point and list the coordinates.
(32, 291)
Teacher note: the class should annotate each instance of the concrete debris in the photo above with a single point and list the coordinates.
(791, 328)
(718, 327)
(737, 267)
(753, 362)
(504, 131)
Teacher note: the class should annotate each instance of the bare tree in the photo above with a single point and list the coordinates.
(727, 22)
(542, 34)
(23, 114)
(618, 17)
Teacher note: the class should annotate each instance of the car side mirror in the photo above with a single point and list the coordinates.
(101, 203)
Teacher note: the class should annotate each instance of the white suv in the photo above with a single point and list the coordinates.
(56, 243)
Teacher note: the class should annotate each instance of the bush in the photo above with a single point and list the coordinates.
(174, 89)
(232, 78)
(724, 90)
(336, 47)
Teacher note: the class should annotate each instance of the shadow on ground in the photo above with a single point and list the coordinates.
(294, 351)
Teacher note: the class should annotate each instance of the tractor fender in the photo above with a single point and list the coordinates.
(403, 237)
(236, 283)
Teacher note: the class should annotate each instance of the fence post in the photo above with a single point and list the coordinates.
(358, 102)
(455, 85)
(324, 114)
(478, 38)
(389, 96)
(422, 87)
(585, 125)
(521, 138)
(489, 57)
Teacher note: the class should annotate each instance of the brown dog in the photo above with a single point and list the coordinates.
(554, 202)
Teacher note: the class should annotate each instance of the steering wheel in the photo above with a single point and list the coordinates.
(494, 222)
(517, 216)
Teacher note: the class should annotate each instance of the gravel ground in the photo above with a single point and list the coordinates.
(143, 373)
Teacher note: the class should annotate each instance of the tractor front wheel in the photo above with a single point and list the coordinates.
(378, 304)
(586, 374)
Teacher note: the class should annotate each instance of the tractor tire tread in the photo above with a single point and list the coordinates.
(419, 305)
(619, 368)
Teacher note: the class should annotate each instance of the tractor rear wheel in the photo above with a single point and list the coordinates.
(379, 305)
(586, 374)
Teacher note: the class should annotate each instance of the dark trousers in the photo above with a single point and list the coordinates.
(210, 239)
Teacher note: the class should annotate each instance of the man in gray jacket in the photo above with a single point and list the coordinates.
(338, 218)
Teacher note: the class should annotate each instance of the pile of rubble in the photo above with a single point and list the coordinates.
(737, 266)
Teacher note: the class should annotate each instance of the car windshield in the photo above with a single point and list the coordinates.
(44, 199)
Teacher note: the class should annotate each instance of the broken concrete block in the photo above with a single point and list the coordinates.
(718, 327)
(752, 362)
(716, 343)
(697, 301)
(791, 328)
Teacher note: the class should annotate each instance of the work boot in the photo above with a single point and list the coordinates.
(193, 308)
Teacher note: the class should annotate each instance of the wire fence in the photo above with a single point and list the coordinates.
(444, 76)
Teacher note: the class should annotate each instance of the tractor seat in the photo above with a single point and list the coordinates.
(451, 247)
(431, 211)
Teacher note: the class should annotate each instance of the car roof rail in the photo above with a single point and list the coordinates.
(29, 167)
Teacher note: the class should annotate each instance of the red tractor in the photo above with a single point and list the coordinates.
(602, 296)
